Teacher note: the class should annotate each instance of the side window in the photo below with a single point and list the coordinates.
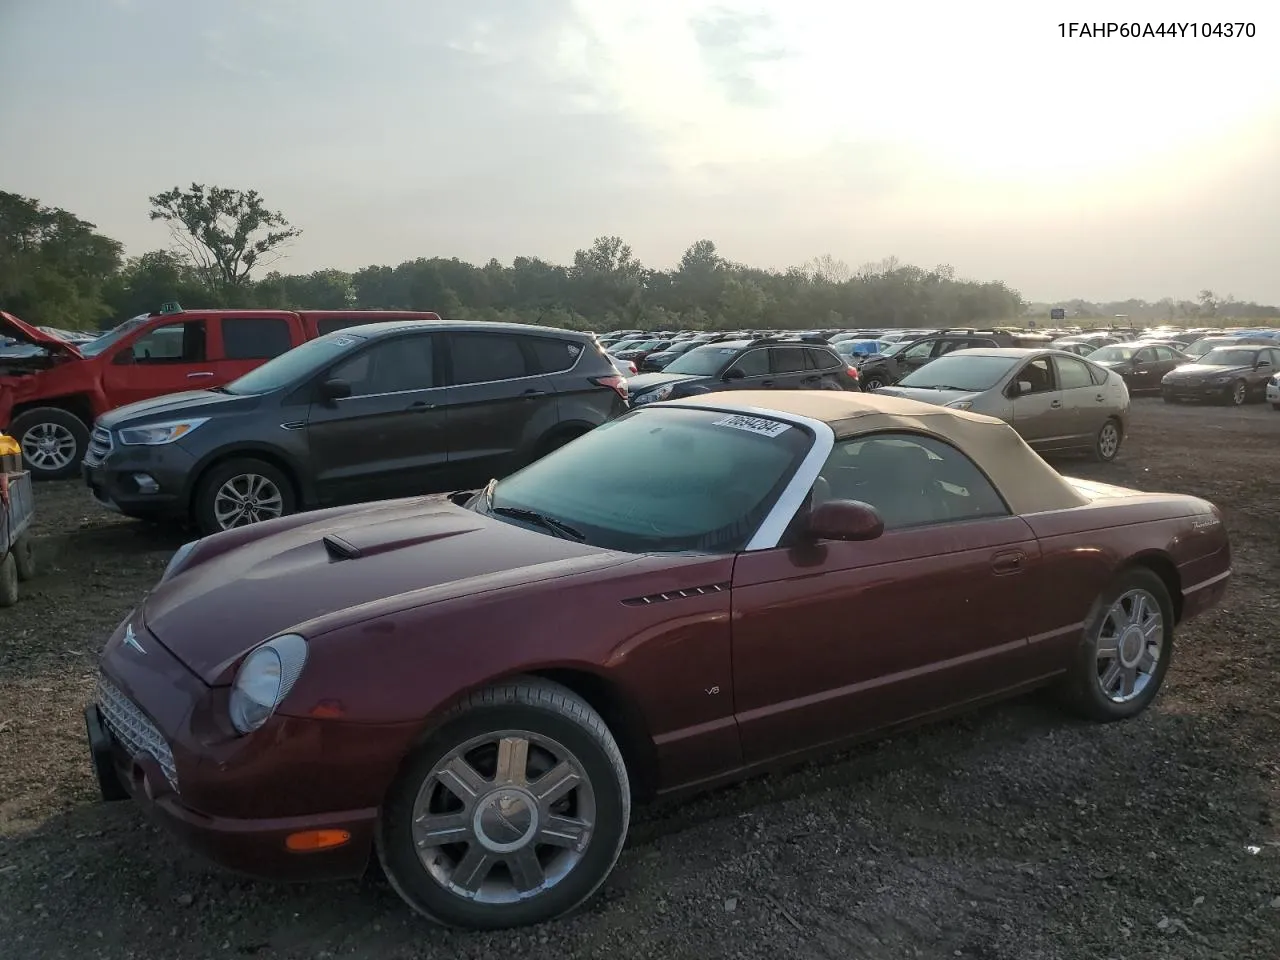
(920, 350)
(390, 366)
(1038, 374)
(553, 356)
(753, 363)
(1145, 355)
(823, 360)
(255, 338)
(1163, 353)
(1072, 374)
(788, 359)
(911, 480)
(486, 357)
(1098, 374)
(172, 343)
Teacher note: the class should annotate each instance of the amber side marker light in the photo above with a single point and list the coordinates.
(308, 840)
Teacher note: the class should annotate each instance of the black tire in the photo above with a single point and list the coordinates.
(1082, 689)
(203, 511)
(24, 557)
(8, 580)
(1276, 407)
(873, 382)
(1107, 442)
(1169, 398)
(541, 708)
(60, 422)
(1238, 394)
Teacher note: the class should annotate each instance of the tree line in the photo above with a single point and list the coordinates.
(57, 270)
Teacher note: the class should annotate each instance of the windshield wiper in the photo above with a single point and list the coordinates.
(559, 528)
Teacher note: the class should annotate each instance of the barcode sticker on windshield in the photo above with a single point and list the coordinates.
(766, 428)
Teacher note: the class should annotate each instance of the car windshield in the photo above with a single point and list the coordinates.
(111, 337)
(1229, 357)
(973, 374)
(859, 348)
(1113, 354)
(294, 365)
(1201, 347)
(702, 361)
(893, 349)
(662, 480)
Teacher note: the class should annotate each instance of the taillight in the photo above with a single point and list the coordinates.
(634, 369)
(615, 382)
(852, 371)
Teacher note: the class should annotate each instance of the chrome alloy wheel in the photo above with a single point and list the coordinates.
(247, 498)
(504, 817)
(49, 446)
(1108, 440)
(1239, 394)
(1128, 645)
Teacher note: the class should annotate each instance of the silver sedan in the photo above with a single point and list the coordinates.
(1057, 402)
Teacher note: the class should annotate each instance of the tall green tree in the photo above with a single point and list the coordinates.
(225, 232)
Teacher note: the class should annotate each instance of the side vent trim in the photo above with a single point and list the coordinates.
(676, 595)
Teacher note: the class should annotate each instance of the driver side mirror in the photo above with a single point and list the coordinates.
(1019, 387)
(844, 520)
(332, 390)
(1261, 363)
(734, 373)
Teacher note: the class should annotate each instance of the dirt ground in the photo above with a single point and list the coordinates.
(1012, 834)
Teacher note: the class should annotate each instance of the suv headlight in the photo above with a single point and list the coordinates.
(154, 434)
(264, 679)
(960, 404)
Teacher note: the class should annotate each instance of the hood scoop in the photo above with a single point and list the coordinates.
(368, 541)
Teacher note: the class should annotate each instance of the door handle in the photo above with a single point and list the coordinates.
(530, 394)
(1099, 398)
(421, 407)
(1009, 561)
(205, 373)
(1055, 404)
(766, 383)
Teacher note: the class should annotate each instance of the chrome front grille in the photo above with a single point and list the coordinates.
(130, 726)
(99, 446)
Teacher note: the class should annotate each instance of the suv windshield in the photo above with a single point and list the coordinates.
(294, 365)
(662, 480)
(702, 361)
(972, 374)
(1229, 357)
(1200, 347)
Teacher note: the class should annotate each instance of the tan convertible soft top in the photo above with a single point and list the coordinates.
(1029, 485)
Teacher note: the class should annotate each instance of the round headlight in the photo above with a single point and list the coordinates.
(264, 679)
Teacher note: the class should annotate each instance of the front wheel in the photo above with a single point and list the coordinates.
(1238, 394)
(512, 813)
(53, 442)
(1125, 651)
(1107, 443)
(873, 382)
(241, 492)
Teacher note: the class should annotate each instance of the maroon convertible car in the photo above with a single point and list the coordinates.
(473, 688)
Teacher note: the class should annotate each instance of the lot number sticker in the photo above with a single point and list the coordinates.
(766, 428)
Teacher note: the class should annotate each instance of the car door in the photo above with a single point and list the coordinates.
(1166, 360)
(1142, 375)
(388, 438)
(789, 367)
(167, 358)
(837, 639)
(1264, 367)
(823, 369)
(754, 367)
(916, 356)
(1083, 403)
(498, 405)
(1038, 414)
(243, 343)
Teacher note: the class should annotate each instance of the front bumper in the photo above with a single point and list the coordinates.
(1273, 392)
(151, 483)
(155, 736)
(1195, 391)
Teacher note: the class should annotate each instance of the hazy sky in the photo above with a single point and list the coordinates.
(972, 134)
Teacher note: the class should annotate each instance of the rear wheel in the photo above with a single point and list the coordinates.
(1125, 651)
(8, 580)
(24, 557)
(1107, 443)
(53, 442)
(873, 382)
(1238, 394)
(240, 492)
(513, 812)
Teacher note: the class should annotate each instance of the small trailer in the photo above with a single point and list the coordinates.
(17, 507)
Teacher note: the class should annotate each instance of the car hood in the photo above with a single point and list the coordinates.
(11, 326)
(939, 397)
(1197, 371)
(291, 573)
(647, 381)
(190, 403)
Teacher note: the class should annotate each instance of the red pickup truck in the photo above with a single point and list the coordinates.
(51, 391)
